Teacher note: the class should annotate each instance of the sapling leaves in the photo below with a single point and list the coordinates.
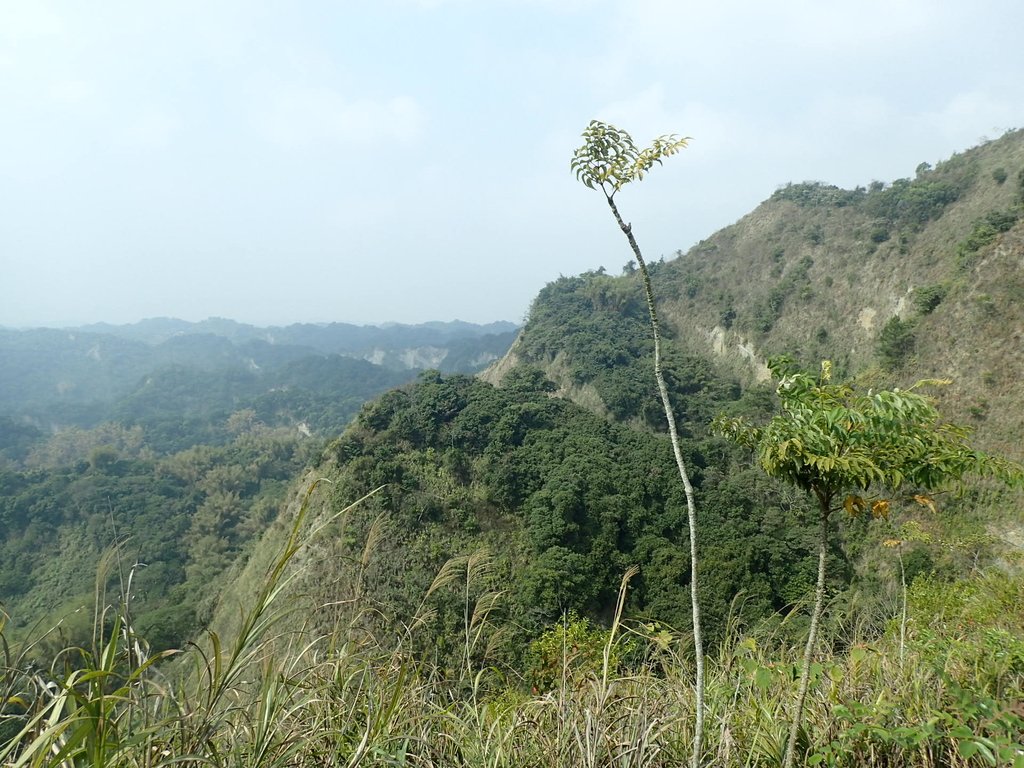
(831, 440)
(609, 159)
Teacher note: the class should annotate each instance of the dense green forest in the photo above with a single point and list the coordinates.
(563, 501)
(175, 445)
(179, 520)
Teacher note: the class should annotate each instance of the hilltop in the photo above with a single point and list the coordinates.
(915, 278)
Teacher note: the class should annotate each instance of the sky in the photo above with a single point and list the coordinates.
(408, 160)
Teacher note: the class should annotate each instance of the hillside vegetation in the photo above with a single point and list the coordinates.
(920, 277)
(175, 442)
(453, 582)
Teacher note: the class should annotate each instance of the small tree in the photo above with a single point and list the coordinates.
(839, 444)
(608, 160)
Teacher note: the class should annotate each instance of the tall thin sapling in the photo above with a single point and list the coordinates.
(608, 160)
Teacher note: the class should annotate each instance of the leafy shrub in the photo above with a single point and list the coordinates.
(691, 286)
(726, 317)
(810, 194)
(999, 174)
(912, 202)
(985, 231)
(896, 342)
(928, 297)
(571, 649)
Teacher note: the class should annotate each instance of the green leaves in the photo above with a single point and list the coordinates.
(831, 439)
(609, 159)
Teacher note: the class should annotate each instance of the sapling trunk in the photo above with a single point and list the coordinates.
(691, 507)
(812, 636)
(903, 606)
(829, 438)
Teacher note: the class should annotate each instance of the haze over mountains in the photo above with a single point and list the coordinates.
(98, 363)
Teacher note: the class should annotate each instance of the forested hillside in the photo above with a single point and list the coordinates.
(472, 609)
(509, 507)
(175, 442)
(570, 504)
(557, 502)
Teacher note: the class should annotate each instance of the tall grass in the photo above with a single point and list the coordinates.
(274, 694)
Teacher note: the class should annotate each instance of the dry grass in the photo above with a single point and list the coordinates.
(272, 695)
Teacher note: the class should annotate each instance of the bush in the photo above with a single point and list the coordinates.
(985, 231)
(914, 203)
(813, 193)
(928, 297)
(572, 649)
(896, 343)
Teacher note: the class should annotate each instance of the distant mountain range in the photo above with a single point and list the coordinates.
(100, 362)
(179, 381)
(328, 338)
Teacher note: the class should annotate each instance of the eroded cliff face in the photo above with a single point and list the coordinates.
(413, 357)
(496, 371)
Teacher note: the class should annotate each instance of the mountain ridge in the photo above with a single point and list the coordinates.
(877, 279)
(819, 272)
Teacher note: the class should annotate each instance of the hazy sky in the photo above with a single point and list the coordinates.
(380, 160)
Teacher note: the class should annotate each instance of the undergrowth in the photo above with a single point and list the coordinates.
(274, 695)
